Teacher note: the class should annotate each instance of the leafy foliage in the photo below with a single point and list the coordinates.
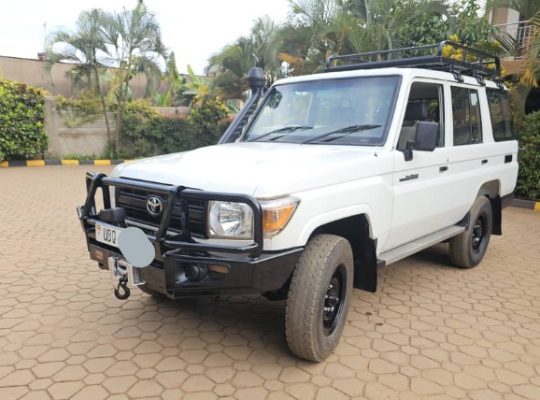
(258, 49)
(77, 111)
(22, 119)
(146, 133)
(469, 27)
(528, 185)
(175, 82)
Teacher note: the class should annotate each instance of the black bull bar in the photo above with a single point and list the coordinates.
(164, 245)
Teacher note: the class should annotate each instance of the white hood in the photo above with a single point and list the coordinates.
(262, 170)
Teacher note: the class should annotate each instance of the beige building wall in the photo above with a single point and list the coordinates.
(89, 138)
(86, 139)
(57, 81)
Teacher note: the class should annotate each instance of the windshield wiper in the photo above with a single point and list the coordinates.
(288, 128)
(347, 130)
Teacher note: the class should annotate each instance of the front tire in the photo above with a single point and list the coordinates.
(468, 248)
(319, 297)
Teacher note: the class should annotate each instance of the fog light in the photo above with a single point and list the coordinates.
(196, 272)
(219, 268)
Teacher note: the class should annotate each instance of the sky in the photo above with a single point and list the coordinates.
(193, 29)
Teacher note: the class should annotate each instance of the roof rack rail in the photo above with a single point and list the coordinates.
(446, 56)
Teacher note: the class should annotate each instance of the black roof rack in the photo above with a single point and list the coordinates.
(446, 56)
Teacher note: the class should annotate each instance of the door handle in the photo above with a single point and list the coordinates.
(484, 161)
(443, 168)
(508, 158)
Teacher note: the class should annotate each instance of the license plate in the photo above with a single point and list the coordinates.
(108, 234)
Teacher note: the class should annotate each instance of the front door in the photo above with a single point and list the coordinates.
(422, 186)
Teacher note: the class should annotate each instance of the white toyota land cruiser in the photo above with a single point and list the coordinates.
(318, 181)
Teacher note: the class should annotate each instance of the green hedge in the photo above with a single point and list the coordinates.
(528, 185)
(22, 121)
(146, 133)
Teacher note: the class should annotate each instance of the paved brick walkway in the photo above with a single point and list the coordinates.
(431, 331)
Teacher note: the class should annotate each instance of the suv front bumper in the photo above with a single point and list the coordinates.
(183, 266)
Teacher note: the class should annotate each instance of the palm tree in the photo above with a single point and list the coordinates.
(135, 46)
(234, 61)
(382, 21)
(319, 28)
(315, 30)
(232, 64)
(175, 82)
(85, 47)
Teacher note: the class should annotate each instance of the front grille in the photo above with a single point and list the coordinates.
(134, 202)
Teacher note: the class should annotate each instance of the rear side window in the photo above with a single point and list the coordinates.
(501, 115)
(466, 116)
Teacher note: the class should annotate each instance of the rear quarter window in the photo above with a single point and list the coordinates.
(501, 115)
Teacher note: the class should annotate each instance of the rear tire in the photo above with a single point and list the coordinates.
(468, 248)
(319, 297)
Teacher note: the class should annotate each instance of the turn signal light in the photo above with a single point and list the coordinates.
(276, 215)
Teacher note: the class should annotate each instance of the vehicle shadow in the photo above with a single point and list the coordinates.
(249, 322)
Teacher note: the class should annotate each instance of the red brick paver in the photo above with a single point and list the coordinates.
(431, 331)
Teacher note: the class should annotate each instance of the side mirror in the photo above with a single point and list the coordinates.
(427, 136)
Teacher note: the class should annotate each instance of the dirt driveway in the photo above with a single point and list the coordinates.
(430, 331)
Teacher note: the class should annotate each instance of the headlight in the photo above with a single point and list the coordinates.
(228, 220)
(276, 214)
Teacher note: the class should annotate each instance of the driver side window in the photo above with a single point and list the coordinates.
(425, 104)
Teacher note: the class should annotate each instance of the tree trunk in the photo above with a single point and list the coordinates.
(120, 111)
(103, 105)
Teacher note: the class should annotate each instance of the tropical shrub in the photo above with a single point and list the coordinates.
(77, 111)
(528, 185)
(22, 121)
(147, 133)
(138, 137)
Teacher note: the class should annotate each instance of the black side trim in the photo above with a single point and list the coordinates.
(365, 277)
(496, 210)
(465, 221)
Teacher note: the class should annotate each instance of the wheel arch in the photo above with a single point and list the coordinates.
(357, 230)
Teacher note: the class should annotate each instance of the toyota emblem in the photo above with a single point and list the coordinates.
(154, 206)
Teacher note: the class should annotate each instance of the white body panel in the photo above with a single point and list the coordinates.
(335, 182)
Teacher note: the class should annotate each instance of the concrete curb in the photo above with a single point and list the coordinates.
(528, 204)
(42, 163)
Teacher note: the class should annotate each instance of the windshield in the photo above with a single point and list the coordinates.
(350, 111)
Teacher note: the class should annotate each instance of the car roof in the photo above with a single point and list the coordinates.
(407, 73)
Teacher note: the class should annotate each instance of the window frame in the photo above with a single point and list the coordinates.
(442, 109)
(512, 126)
(480, 114)
(388, 123)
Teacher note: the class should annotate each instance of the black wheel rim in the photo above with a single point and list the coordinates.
(478, 233)
(333, 300)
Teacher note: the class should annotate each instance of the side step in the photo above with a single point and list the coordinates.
(407, 249)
